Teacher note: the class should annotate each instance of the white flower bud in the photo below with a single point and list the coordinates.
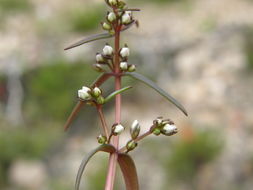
(99, 58)
(125, 52)
(106, 26)
(84, 93)
(135, 129)
(118, 129)
(96, 92)
(111, 17)
(112, 2)
(169, 129)
(131, 68)
(123, 66)
(108, 50)
(126, 18)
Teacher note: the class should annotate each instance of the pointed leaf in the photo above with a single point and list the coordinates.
(76, 109)
(108, 98)
(128, 169)
(102, 148)
(90, 39)
(157, 88)
(101, 79)
(98, 37)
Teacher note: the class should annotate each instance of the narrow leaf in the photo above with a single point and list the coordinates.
(109, 97)
(102, 148)
(151, 84)
(90, 39)
(98, 37)
(128, 169)
(76, 109)
(101, 79)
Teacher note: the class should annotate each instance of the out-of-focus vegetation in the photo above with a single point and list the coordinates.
(187, 156)
(249, 48)
(51, 89)
(9, 6)
(31, 142)
(83, 20)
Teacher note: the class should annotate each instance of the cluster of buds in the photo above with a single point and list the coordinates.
(89, 94)
(165, 127)
(104, 58)
(116, 3)
(124, 54)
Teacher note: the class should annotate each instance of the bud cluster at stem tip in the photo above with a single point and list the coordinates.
(165, 127)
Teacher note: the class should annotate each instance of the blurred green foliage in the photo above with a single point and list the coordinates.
(159, 1)
(248, 48)
(83, 20)
(15, 5)
(51, 89)
(187, 156)
(25, 143)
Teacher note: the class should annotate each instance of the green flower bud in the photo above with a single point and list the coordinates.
(131, 68)
(112, 2)
(106, 26)
(156, 132)
(131, 145)
(96, 92)
(100, 100)
(135, 129)
(102, 139)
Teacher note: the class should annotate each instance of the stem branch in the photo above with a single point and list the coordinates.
(103, 122)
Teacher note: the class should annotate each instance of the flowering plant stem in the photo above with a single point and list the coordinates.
(115, 140)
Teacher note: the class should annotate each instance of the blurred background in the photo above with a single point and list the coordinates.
(200, 51)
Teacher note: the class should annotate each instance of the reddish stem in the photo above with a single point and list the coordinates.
(115, 139)
(103, 122)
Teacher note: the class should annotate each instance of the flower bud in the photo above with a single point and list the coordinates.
(108, 50)
(156, 131)
(123, 66)
(99, 58)
(158, 122)
(96, 92)
(106, 26)
(111, 17)
(124, 52)
(169, 129)
(84, 93)
(131, 145)
(117, 129)
(126, 18)
(112, 2)
(135, 129)
(101, 139)
(100, 100)
(121, 4)
(98, 67)
(131, 68)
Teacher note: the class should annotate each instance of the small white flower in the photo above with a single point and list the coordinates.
(123, 66)
(126, 18)
(111, 17)
(108, 50)
(99, 58)
(112, 2)
(135, 129)
(96, 92)
(125, 52)
(169, 129)
(84, 93)
(118, 129)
